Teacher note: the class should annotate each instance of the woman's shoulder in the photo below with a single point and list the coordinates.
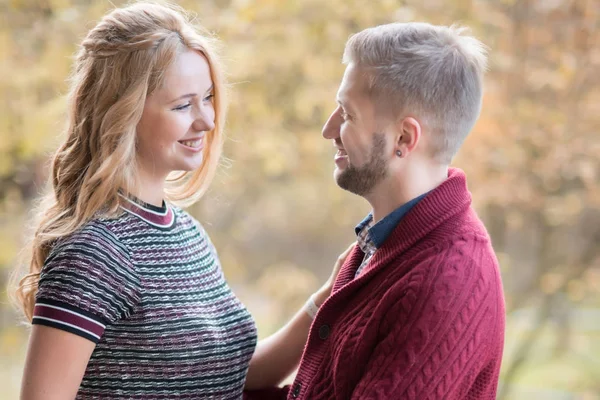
(95, 235)
(88, 274)
(185, 218)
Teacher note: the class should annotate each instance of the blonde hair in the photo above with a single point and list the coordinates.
(120, 63)
(433, 72)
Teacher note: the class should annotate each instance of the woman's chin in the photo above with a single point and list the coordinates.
(191, 165)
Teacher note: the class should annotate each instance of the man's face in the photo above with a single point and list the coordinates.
(362, 158)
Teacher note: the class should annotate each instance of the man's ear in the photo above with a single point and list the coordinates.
(407, 137)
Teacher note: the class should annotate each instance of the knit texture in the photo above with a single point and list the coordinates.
(424, 320)
(147, 287)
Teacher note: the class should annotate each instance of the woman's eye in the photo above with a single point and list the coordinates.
(209, 97)
(183, 107)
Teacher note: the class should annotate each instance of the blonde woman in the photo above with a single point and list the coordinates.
(125, 292)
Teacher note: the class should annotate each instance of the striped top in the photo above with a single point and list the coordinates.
(148, 289)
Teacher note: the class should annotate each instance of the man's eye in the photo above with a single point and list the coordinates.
(183, 107)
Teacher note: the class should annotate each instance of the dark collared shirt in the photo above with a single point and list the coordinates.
(371, 236)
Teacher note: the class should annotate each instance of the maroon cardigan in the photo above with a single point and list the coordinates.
(424, 320)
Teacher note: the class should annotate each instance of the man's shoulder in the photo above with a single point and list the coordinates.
(461, 260)
(463, 271)
(459, 274)
(463, 238)
(467, 250)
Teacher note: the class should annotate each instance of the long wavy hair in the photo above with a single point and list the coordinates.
(119, 64)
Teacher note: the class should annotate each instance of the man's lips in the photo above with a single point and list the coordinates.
(341, 153)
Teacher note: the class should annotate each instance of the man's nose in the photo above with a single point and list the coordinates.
(331, 129)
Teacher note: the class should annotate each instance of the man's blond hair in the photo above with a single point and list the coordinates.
(433, 73)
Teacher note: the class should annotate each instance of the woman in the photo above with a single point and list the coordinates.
(125, 292)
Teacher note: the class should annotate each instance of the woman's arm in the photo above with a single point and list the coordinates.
(278, 355)
(55, 364)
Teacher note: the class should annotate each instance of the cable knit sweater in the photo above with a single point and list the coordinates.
(424, 320)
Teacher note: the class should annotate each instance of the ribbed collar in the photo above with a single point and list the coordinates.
(160, 217)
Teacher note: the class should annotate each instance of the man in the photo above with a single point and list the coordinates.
(417, 310)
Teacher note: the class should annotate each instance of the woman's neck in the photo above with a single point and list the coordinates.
(151, 191)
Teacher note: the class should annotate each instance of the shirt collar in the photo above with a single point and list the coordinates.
(363, 235)
(376, 234)
(161, 217)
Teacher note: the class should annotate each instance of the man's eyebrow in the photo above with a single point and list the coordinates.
(345, 106)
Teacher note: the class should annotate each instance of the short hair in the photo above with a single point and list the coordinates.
(434, 73)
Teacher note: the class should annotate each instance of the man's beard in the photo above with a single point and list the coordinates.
(361, 181)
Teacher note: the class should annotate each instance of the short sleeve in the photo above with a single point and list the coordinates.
(87, 282)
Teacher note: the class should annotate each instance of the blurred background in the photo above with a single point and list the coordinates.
(274, 212)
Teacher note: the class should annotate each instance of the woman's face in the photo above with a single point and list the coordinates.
(171, 135)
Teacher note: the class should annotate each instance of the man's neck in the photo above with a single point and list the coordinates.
(401, 188)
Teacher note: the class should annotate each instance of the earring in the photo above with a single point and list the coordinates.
(398, 153)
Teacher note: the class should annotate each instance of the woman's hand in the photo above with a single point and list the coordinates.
(323, 293)
(278, 355)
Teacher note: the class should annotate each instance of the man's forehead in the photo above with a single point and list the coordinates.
(353, 86)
